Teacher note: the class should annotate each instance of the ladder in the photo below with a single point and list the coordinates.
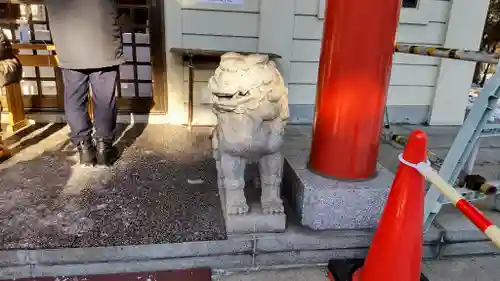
(463, 152)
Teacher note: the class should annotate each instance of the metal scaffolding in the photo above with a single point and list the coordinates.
(462, 154)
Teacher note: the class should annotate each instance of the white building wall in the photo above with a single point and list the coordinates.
(413, 78)
(293, 29)
(204, 26)
(465, 28)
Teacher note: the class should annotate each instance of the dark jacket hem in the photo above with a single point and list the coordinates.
(71, 65)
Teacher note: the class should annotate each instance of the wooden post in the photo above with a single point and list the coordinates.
(15, 106)
(91, 106)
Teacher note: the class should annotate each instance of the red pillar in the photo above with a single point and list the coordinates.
(354, 71)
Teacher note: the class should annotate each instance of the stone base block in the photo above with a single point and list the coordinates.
(255, 221)
(323, 203)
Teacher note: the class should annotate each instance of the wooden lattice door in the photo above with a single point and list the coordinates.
(142, 77)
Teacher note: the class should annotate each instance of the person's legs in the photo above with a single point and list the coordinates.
(76, 86)
(103, 82)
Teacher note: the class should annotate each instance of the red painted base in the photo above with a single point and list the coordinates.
(198, 274)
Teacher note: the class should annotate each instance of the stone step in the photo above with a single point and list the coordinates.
(297, 246)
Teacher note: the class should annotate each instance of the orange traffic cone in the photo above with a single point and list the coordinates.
(396, 250)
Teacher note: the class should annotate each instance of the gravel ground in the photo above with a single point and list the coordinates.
(162, 190)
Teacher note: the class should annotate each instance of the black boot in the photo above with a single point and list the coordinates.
(107, 154)
(87, 152)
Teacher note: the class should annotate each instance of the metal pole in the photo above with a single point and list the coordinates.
(387, 122)
(447, 53)
(191, 91)
(352, 87)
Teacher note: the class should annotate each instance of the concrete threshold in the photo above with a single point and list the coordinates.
(295, 247)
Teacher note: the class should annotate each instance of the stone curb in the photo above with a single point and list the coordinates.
(250, 252)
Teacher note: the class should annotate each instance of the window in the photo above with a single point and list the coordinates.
(410, 3)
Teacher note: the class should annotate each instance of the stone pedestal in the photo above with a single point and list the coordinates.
(255, 221)
(322, 203)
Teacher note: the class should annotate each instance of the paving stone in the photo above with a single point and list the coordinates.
(435, 130)
(303, 274)
(465, 269)
(493, 142)
(321, 257)
(459, 229)
(399, 129)
(307, 257)
(388, 157)
(484, 247)
(488, 157)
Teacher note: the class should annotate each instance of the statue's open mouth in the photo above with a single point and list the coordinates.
(223, 95)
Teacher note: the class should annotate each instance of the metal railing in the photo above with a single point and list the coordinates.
(468, 210)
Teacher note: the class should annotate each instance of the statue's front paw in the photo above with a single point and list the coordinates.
(273, 206)
(237, 208)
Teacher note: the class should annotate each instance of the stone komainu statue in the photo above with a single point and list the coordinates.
(10, 72)
(250, 101)
(10, 67)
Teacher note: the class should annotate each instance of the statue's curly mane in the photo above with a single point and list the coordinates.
(243, 83)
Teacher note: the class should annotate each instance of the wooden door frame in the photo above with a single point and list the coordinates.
(159, 56)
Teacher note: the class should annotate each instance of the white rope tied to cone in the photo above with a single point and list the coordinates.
(425, 169)
(409, 164)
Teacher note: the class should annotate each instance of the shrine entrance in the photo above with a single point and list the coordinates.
(141, 79)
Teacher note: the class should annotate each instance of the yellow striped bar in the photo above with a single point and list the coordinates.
(435, 160)
(446, 53)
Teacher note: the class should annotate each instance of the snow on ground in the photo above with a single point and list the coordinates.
(473, 93)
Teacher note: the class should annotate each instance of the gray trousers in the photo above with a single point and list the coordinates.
(76, 98)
